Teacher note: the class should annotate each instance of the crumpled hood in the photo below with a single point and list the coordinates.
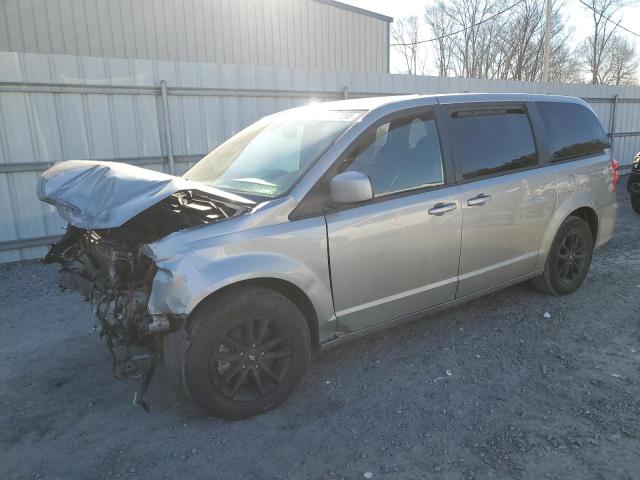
(92, 194)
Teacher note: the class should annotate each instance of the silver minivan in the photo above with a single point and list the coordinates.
(327, 222)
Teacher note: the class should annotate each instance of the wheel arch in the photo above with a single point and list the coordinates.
(179, 288)
(582, 208)
(285, 288)
(590, 216)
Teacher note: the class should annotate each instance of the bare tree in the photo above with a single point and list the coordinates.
(524, 45)
(520, 42)
(598, 49)
(499, 39)
(624, 62)
(442, 26)
(474, 47)
(404, 35)
(564, 66)
(617, 64)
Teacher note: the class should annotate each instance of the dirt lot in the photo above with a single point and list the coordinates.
(491, 389)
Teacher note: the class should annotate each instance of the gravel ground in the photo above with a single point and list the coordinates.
(492, 389)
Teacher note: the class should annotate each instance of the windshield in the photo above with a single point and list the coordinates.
(267, 158)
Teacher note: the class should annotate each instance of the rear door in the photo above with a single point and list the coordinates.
(398, 253)
(507, 192)
(580, 150)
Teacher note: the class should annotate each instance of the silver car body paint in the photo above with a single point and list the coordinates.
(582, 183)
(412, 257)
(386, 260)
(500, 239)
(92, 194)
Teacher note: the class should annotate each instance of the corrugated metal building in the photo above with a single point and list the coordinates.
(309, 34)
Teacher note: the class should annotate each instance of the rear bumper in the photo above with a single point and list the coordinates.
(607, 220)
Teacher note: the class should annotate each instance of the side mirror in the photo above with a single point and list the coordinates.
(351, 187)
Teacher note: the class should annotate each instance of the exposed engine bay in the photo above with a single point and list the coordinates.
(107, 267)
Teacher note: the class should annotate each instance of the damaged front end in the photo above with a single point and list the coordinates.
(107, 266)
(116, 280)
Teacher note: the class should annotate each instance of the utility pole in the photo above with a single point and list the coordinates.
(547, 44)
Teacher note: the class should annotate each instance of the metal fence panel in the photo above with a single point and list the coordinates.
(60, 107)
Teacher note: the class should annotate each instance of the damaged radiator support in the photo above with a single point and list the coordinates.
(116, 283)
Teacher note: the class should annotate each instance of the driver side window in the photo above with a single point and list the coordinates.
(400, 155)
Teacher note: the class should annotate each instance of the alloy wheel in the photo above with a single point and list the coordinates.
(571, 258)
(252, 359)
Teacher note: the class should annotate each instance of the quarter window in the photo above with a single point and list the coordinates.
(572, 130)
(492, 142)
(400, 155)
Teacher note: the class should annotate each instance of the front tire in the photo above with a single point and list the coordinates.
(635, 202)
(569, 259)
(246, 352)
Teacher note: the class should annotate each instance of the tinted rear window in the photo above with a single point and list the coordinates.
(492, 142)
(572, 131)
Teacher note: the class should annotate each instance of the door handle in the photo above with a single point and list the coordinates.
(478, 200)
(442, 208)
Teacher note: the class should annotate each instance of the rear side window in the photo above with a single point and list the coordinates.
(572, 131)
(492, 142)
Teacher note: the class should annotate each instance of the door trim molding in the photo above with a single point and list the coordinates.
(397, 296)
(494, 266)
(345, 337)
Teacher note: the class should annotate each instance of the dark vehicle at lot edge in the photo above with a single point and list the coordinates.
(327, 222)
(633, 183)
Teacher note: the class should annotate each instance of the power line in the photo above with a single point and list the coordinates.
(500, 13)
(458, 31)
(609, 19)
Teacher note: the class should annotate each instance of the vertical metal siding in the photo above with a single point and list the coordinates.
(41, 127)
(293, 33)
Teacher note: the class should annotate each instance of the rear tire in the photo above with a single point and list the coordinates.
(635, 202)
(245, 353)
(569, 259)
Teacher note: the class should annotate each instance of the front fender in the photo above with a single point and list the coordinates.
(294, 252)
(180, 287)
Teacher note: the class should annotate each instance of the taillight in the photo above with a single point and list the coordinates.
(614, 175)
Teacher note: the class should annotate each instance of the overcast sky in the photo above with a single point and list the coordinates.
(576, 15)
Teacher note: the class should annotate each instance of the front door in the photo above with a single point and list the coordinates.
(507, 196)
(399, 253)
